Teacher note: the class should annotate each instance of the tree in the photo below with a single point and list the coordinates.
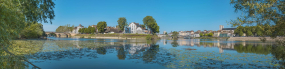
(93, 30)
(101, 25)
(122, 22)
(61, 29)
(18, 14)
(65, 28)
(86, 30)
(143, 26)
(248, 33)
(201, 34)
(80, 30)
(240, 33)
(33, 31)
(261, 12)
(210, 34)
(174, 34)
(151, 24)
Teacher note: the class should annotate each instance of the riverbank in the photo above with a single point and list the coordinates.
(115, 36)
(253, 38)
(170, 38)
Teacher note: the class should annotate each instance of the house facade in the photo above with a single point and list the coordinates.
(133, 27)
(75, 30)
(136, 28)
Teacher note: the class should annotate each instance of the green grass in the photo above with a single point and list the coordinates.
(212, 37)
(116, 35)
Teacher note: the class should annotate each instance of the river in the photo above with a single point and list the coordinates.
(83, 53)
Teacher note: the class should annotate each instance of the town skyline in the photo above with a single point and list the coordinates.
(181, 16)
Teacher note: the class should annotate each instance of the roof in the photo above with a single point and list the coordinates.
(196, 33)
(137, 24)
(113, 30)
(228, 28)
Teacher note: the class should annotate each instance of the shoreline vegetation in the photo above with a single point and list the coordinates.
(117, 36)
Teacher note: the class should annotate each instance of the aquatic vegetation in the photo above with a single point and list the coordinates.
(196, 59)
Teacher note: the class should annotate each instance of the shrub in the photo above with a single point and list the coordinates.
(148, 37)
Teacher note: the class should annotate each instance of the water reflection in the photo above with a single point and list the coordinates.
(165, 53)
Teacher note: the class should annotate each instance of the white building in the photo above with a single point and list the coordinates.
(164, 32)
(136, 28)
(75, 30)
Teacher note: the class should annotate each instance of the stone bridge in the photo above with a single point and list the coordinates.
(61, 34)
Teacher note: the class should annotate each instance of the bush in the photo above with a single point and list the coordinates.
(33, 31)
(148, 37)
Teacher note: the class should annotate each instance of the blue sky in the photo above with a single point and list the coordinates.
(170, 15)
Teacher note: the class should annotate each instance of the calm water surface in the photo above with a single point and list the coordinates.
(79, 53)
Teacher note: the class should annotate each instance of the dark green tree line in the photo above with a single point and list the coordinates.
(259, 30)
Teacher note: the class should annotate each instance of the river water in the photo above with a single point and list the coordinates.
(82, 53)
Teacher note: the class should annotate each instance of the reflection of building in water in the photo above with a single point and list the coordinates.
(164, 42)
(136, 48)
(190, 42)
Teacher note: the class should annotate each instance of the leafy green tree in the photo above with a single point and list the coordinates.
(151, 24)
(15, 16)
(101, 25)
(80, 30)
(261, 12)
(174, 34)
(61, 29)
(253, 30)
(93, 30)
(122, 22)
(240, 33)
(86, 31)
(210, 34)
(143, 26)
(65, 28)
(201, 34)
(248, 33)
(33, 31)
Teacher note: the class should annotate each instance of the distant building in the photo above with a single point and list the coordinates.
(136, 28)
(164, 32)
(112, 30)
(226, 32)
(75, 30)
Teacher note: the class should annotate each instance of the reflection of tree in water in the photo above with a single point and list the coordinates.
(150, 54)
(121, 53)
(19, 48)
(249, 48)
(154, 55)
(101, 50)
(277, 51)
(174, 43)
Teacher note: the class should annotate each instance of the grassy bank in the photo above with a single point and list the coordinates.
(211, 38)
(127, 36)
